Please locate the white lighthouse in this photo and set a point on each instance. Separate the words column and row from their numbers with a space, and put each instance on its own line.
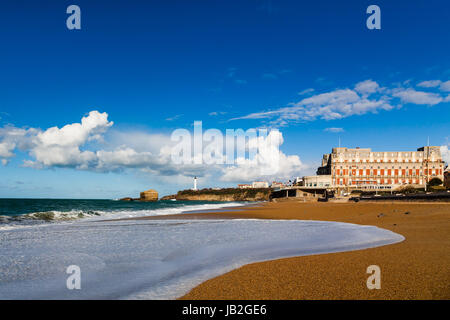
column 195, row 184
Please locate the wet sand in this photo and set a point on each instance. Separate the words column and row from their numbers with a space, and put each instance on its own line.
column 417, row 268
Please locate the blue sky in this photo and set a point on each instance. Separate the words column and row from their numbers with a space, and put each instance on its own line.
column 156, row 66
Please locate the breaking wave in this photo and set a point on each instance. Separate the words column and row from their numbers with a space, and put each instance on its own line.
column 39, row 217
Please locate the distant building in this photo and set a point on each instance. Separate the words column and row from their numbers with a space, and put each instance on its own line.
column 276, row 184
column 364, row 169
column 244, row 186
column 319, row 181
column 260, row 184
column 298, row 180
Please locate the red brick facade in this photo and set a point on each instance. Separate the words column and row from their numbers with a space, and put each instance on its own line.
column 362, row 168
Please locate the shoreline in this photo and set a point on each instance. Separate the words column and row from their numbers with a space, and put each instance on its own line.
column 416, row 268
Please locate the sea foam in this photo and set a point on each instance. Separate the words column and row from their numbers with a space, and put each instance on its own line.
column 160, row 259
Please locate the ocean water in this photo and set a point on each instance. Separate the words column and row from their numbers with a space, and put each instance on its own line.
column 20, row 212
column 155, row 259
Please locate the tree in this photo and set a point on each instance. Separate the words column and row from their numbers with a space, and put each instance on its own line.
column 434, row 182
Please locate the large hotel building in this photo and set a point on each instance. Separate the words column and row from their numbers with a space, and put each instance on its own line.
column 361, row 168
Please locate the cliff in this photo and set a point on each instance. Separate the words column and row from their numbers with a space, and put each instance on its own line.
column 228, row 194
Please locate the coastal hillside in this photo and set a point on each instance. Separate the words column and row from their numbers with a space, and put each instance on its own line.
column 227, row 194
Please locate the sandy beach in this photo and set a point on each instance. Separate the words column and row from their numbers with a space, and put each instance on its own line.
column 417, row 268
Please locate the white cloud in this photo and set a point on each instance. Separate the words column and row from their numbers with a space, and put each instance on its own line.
column 140, row 141
column 175, row 117
column 61, row 147
column 6, row 149
column 124, row 157
column 445, row 152
column 270, row 163
column 445, row 86
column 337, row 104
column 367, row 87
column 75, row 134
column 306, row 91
column 88, row 146
column 366, row 97
column 429, row 84
column 216, row 113
column 417, row 97
column 12, row 138
column 334, row 130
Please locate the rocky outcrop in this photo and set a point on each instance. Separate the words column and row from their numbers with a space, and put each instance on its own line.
column 170, row 197
column 149, row 195
column 228, row 194
column 127, row 199
column 145, row 196
column 219, row 197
